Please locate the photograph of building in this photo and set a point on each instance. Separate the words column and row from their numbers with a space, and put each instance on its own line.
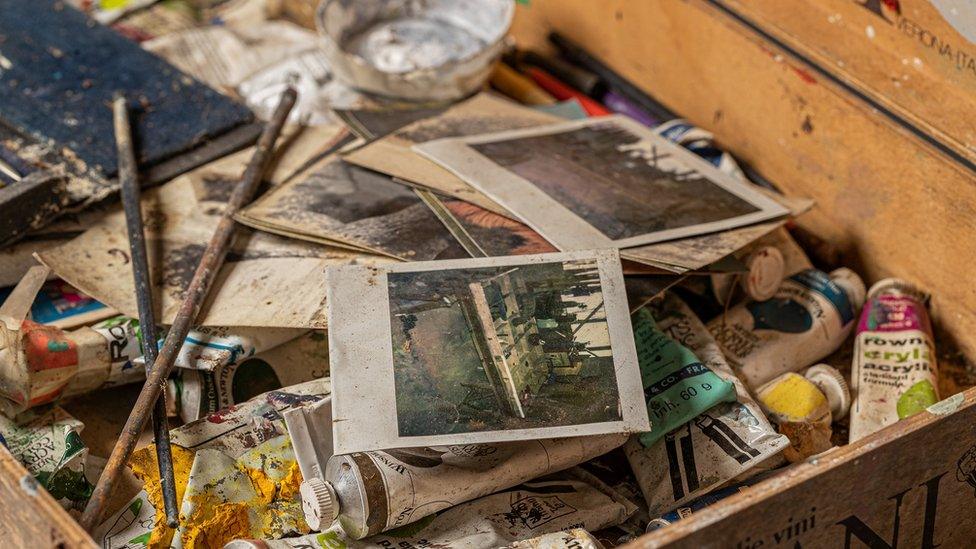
column 497, row 348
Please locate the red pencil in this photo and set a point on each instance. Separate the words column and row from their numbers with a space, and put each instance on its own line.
column 562, row 91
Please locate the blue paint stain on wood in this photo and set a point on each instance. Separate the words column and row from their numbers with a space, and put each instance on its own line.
column 61, row 70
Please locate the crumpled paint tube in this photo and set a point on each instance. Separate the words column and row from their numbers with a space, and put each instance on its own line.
column 770, row 260
column 678, row 386
column 692, row 507
column 810, row 316
column 198, row 393
column 724, row 443
column 577, row 538
column 894, row 373
column 219, row 503
column 48, row 444
column 209, row 348
column 39, row 364
column 547, row 506
column 377, row 491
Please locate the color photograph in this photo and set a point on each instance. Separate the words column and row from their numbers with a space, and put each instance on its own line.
column 501, row 347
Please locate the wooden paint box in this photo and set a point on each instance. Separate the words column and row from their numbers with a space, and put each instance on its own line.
column 895, row 197
column 892, row 200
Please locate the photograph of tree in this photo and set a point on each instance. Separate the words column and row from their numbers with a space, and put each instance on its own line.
column 500, row 348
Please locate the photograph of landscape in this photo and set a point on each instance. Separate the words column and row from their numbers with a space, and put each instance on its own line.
column 501, row 348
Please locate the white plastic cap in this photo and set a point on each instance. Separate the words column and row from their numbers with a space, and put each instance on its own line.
column 833, row 385
column 319, row 503
column 852, row 285
column 767, row 268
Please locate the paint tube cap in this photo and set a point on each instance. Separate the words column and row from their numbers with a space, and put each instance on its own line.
column 319, row 503
column 246, row 544
column 656, row 524
column 852, row 285
column 767, row 268
column 833, row 385
column 897, row 286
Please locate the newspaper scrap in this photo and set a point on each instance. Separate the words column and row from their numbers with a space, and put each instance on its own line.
column 48, row 444
column 236, row 476
column 482, row 350
column 222, row 57
column 728, row 441
column 341, row 204
column 309, row 73
column 602, row 182
column 267, row 281
column 553, row 511
column 199, row 393
column 392, row 154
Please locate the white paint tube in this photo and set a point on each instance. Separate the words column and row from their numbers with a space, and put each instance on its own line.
column 724, row 443
column 769, row 260
column 541, row 511
column 197, row 393
column 894, row 373
column 372, row 492
column 810, row 316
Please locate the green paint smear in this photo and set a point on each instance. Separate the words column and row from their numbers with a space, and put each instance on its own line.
column 916, row 399
column 66, row 484
column 330, row 540
column 57, row 346
column 141, row 540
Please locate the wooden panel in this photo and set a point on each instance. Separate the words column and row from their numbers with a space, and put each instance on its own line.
column 30, row 516
column 889, row 202
column 907, row 55
column 912, row 486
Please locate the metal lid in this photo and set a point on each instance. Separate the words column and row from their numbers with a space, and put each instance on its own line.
column 767, row 268
column 319, row 503
column 833, row 385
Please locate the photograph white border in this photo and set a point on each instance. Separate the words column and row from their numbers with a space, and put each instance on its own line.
column 361, row 356
column 557, row 223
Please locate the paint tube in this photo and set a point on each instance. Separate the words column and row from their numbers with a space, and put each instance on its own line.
column 209, row 348
column 802, row 411
column 547, row 506
column 769, row 261
column 48, row 444
column 810, row 316
column 678, row 386
column 728, row 441
column 894, row 372
column 698, row 504
column 251, row 436
column 372, row 492
column 197, row 393
column 39, row 364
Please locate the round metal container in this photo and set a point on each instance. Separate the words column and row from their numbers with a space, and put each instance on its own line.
column 414, row 49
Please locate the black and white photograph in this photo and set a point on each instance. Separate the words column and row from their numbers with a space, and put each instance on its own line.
column 340, row 204
column 484, row 350
column 602, row 182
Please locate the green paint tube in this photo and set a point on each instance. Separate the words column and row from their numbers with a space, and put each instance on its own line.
column 677, row 385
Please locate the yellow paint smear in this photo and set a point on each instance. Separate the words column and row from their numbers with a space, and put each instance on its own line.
column 146, row 468
column 227, row 522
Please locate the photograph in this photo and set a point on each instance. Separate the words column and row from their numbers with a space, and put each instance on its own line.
column 392, row 154
column 344, row 205
column 602, row 182
column 484, row 350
